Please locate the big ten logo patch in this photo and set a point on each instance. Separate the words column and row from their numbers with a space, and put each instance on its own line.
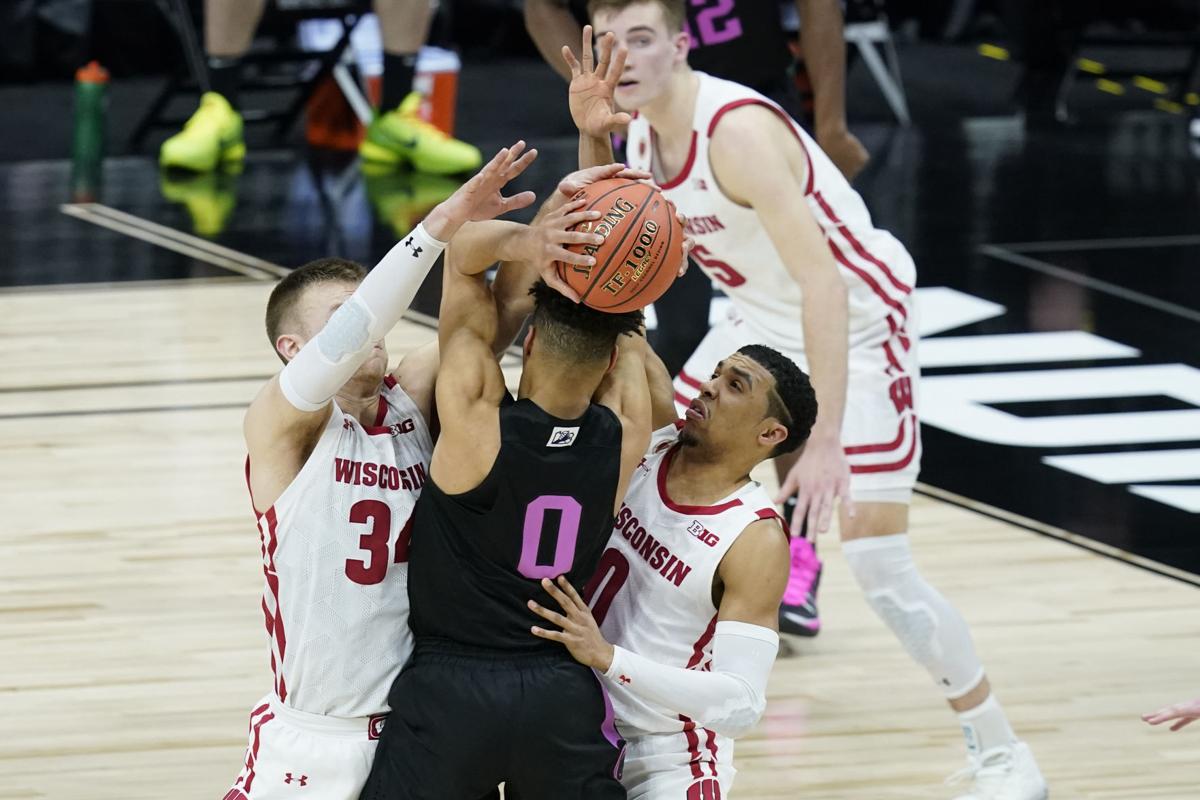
column 901, row 393
column 703, row 534
column 407, row 426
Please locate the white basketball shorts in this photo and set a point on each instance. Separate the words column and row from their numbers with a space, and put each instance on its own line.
column 695, row 764
column 294, row 755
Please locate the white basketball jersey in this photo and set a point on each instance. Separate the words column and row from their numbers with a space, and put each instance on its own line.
column 733, row 248
column 335, row 556
column 652, row 592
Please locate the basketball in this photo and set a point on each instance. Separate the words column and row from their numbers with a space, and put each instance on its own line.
column 641, row 252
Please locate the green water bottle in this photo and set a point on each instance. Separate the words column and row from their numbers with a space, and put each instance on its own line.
column 87, row 144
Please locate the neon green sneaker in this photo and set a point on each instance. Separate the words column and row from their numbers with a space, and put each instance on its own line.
column 400, row 136
column 402, row 199
column 212, row 135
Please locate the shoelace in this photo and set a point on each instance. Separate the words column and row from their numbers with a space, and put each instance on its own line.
column 804, row 566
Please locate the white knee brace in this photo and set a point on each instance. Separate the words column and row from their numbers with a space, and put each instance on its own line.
column 931, row 630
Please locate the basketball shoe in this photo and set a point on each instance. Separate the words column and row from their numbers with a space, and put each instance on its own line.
column 1003, row 773
column 211, row 136
column 402, row 199
column 400, row 136
column 798, row 611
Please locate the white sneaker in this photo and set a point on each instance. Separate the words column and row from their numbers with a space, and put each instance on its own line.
column 1003, row 773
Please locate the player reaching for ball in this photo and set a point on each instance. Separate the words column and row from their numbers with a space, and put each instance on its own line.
column 792, row 245
column 518, row 490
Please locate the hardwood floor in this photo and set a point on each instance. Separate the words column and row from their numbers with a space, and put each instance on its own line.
column 132, row 642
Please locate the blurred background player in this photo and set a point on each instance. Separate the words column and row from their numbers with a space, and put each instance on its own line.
column 793, row 246
column 688, row 589
column 396, row 136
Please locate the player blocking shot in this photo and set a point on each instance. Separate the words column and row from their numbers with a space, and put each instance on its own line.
column 519, row 490
column 683, row 619
column 338, row 452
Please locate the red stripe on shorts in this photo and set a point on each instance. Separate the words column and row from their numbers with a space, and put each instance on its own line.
column 693, row 741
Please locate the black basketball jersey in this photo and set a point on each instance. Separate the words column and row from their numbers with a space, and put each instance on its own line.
column 545, row 509
column 738, row 40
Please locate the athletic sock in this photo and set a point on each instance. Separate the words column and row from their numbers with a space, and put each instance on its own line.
column 398, row 74
column 225, row 77
column 985, row 727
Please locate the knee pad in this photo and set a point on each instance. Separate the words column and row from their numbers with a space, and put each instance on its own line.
column 931, row 630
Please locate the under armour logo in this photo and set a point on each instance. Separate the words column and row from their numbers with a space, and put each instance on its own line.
column 302, row 780
column 416, row 251
column 701, row 185
column 624, row 679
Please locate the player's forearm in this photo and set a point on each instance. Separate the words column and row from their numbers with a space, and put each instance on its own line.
column 514, row 304
column 729, row 699
column 479, row 245
column 662, row 391
column 826, row 344
column 551, row 25
column 824, row 44
column 322, row 367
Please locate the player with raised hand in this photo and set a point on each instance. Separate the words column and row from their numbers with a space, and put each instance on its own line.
column 339, row 450
column 793, row 246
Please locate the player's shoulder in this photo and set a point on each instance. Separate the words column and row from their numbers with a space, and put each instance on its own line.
column 749, row 125
column 662, row 439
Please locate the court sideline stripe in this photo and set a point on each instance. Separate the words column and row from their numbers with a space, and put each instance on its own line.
column 164, row 236
column 1096, row 284
column 1050, row 531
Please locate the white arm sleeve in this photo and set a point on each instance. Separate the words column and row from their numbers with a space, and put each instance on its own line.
column 322, row 367
column 729, row 700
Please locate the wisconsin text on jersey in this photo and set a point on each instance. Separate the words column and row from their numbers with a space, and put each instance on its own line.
column 657, row 555
column 385, row 476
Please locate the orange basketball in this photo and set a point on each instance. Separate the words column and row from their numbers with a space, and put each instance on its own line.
column 642, row 249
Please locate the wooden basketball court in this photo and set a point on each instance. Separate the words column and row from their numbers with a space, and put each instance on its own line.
column 133, row 646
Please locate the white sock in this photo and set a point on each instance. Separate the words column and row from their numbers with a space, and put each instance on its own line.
column 985, row 727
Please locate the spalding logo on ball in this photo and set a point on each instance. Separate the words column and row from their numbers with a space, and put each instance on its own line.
column 641, row 252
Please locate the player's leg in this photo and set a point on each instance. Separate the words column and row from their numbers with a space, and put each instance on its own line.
column 398, row 135
column 566, row 742
column 213, row 134
column 882, row 439
column 441, row 738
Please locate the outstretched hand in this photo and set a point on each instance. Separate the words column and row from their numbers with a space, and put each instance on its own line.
column 1183, row 714
column 819, row 478
column 580, row 634
column 480, row 198
column 590, row 95
column 547, row 239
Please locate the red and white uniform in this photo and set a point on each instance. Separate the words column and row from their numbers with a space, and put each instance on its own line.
column 652, row 595
column 335, row 557
column 880, row 431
